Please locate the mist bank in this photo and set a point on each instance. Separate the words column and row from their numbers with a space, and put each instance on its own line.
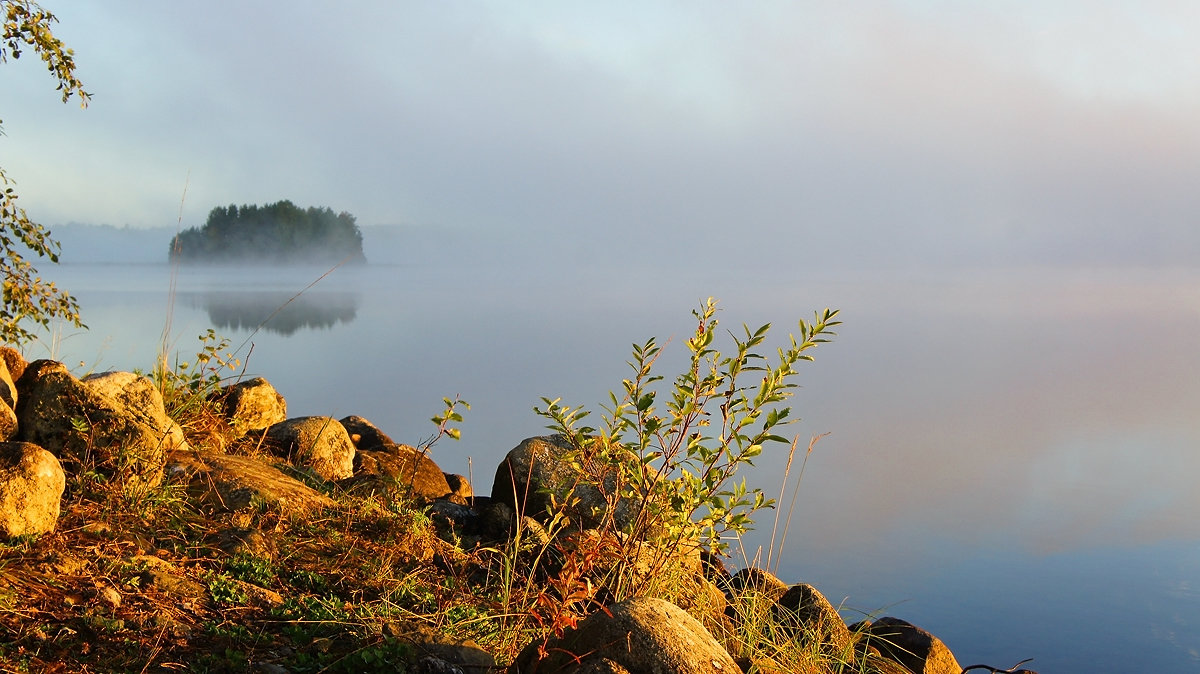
column 622, row 247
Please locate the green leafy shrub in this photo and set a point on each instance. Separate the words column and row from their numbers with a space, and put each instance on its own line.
column 677, row 461
column 189, row 386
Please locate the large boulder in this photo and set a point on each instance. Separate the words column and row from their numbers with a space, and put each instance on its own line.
column 251, row 405
column 642, row 636
column 31, row 488
column 318, row 443
column 232, row 482
column 113, row 421
column 140, row 398
column 401, row 466
column 919, row 651
column 541, row 470
column 805, row 612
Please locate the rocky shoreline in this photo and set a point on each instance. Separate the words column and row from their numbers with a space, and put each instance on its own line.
column 255, row 468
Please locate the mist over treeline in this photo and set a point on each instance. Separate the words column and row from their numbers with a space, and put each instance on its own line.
column 275, row 233
column 85, row 243
column 446, row 246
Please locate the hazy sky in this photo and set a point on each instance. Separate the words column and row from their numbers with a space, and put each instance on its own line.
column 855, row 132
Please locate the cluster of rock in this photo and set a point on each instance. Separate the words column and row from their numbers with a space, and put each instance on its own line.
column 114, row 425
column 653, row 635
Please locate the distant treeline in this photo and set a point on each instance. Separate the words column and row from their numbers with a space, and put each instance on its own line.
column 276, row 233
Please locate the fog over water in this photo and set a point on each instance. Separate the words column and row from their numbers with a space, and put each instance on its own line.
column 1011, row 452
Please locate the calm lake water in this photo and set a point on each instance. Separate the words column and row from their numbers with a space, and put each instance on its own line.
column 1012, row 455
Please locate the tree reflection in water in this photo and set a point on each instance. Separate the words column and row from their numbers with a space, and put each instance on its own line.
column 277, row 311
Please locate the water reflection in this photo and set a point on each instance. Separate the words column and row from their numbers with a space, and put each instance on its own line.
column 1012, row 459
column 280, row 312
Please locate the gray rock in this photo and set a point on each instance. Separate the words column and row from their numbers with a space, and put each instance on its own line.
column 601, row 666
column 539, row 470
column 113, row 422
column 432, row 665
column 252, row 405
column 451, row 514
column 318, row 443
column 644, row 635
column 402, row 466
column 232, row 482
column 918, row 650
column 31, row 488
column 496, row 520
column 460, row 488
column 803, row 610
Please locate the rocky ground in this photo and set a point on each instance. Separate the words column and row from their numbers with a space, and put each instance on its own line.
column 205, row 531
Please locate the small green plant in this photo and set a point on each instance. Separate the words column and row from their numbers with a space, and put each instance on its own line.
column 190, row 381
column 451, row 415
column 677, row 464
column 224, row 589
column 387, row 654
column 188, row 390
column 310, row 581
column 257, row 570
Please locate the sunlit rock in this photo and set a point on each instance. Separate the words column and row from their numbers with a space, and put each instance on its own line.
column 31, row 488
column 911, row 646
column 400, row 467
column 637, row 635
column 232, row 482
column 113, row 423
column 460, row 488
column 456, row 653
column 252, row 405
column 805, row 612
column 14, row 361
column 539, row 471
column 318, row 443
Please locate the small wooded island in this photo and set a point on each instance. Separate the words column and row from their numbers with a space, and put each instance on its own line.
column 278, row 233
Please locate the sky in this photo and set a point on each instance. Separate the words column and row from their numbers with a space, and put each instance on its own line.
column 870, row 133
